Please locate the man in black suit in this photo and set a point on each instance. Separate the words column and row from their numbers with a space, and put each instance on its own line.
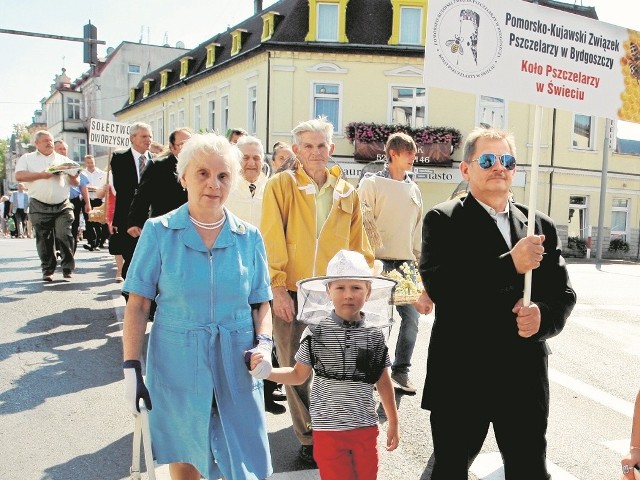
column 488, row 356
column 159, row 191
column 127, row 168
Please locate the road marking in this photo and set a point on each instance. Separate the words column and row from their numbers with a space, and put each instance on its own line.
column 488, row 466
column 593, row 393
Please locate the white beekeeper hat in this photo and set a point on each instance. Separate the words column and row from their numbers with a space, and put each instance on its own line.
column 314, row 302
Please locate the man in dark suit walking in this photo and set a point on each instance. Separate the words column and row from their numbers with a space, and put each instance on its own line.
column 488, row 357
column 127, row 168
column 159, row 191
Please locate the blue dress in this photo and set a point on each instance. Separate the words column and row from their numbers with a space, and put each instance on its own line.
column 207, row 409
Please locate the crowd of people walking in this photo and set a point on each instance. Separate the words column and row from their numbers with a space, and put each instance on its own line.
column 212, row 240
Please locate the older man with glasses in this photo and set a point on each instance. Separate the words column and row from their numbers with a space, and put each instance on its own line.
column 488, row 355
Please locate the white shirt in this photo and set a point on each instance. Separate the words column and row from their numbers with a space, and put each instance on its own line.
column 501, row 219
column 53, row 190
column 243, row 205
column 136, row 157
column 96, row 179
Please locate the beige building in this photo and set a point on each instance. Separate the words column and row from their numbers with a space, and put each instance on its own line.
column 362, row 61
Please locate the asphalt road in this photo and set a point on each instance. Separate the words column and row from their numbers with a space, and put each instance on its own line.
column 62, row 416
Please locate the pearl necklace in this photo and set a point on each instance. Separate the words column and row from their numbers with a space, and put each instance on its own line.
column 208, row 226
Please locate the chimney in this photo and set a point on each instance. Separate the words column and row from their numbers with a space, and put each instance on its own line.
column 257, row 6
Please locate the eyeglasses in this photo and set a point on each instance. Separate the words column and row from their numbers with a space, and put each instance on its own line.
column 488, row 160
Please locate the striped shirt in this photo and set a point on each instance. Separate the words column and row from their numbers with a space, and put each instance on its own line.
column 337, row 401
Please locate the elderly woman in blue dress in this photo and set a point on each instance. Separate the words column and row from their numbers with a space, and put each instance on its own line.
column 208, row 273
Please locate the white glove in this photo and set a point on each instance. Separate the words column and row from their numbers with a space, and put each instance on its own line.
column 264, row 346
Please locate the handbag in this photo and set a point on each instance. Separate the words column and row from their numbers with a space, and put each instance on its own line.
column 142, row 434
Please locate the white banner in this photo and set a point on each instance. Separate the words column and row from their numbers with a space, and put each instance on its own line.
column 533, row 54
column 109, row 134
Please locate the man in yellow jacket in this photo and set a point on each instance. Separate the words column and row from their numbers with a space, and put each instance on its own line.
column 309, row 213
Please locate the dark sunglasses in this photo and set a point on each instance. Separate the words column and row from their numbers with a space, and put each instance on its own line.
column 488, row 160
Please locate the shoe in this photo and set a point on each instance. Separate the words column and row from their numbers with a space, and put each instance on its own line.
column 47, row 277
column 306, row 455
column 278, row 395
column 66, row 273
column 88, row 247
column 275, row 408
column 97, row 249
column 403, row 382
column 119, row 279
column 101, row 245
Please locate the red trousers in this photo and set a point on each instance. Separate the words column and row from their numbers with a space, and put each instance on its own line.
column 347, row 454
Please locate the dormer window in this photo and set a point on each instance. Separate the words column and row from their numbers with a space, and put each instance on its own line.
column 327, row 20
column 268, row 25
column 147, row 88
column 408, row 22
column 211, row 54
column 184, row 66
column 237, row 36
column 164, row 78
column 132, row 95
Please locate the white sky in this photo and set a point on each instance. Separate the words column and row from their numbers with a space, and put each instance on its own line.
column 29, row 64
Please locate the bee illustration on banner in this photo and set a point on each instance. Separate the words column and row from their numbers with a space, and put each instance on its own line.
column 455, row 44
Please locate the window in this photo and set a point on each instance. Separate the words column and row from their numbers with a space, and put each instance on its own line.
column 327, row 22
column 212, row 116
column 134, row 69
column 252, row 101
column 237, row 37
column 164, row 78
column 326, row 102
column 268, row 25
column 410, row 25
column 583, row 134
column 180, row 118
column 161, row 129
column 408, row 106
column 132, row 95
column 184, row 66
column 196, row 118
column 172, row 122
column 225, row 115
column 73, row 109
column 146, row 88
column 408, row 22
column 491, row 112
column 619, row 218
column 211, row 54
column 79, row 149
column 577, row 222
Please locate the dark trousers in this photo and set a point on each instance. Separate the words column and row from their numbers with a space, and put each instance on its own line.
column 78, row 209
column 519, row 415
column 53, row 222
column 20, row 217
column 95, row 233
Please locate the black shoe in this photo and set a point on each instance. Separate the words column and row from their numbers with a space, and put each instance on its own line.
column 88, row 247
column 306, row 455
column 275, row 408
column 66, row 273
column 278, row 395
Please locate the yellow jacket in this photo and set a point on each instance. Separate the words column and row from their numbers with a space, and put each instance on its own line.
column 289, row 229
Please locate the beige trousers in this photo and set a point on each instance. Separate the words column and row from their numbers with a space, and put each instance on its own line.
column 287, row 339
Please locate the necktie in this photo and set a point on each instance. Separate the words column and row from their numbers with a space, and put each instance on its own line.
column 142, row 160
column 252, row 189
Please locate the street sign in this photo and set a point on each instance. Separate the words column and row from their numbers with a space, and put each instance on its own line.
column 109, row 134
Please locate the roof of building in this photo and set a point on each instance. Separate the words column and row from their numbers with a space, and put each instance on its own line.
column 368, row 28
